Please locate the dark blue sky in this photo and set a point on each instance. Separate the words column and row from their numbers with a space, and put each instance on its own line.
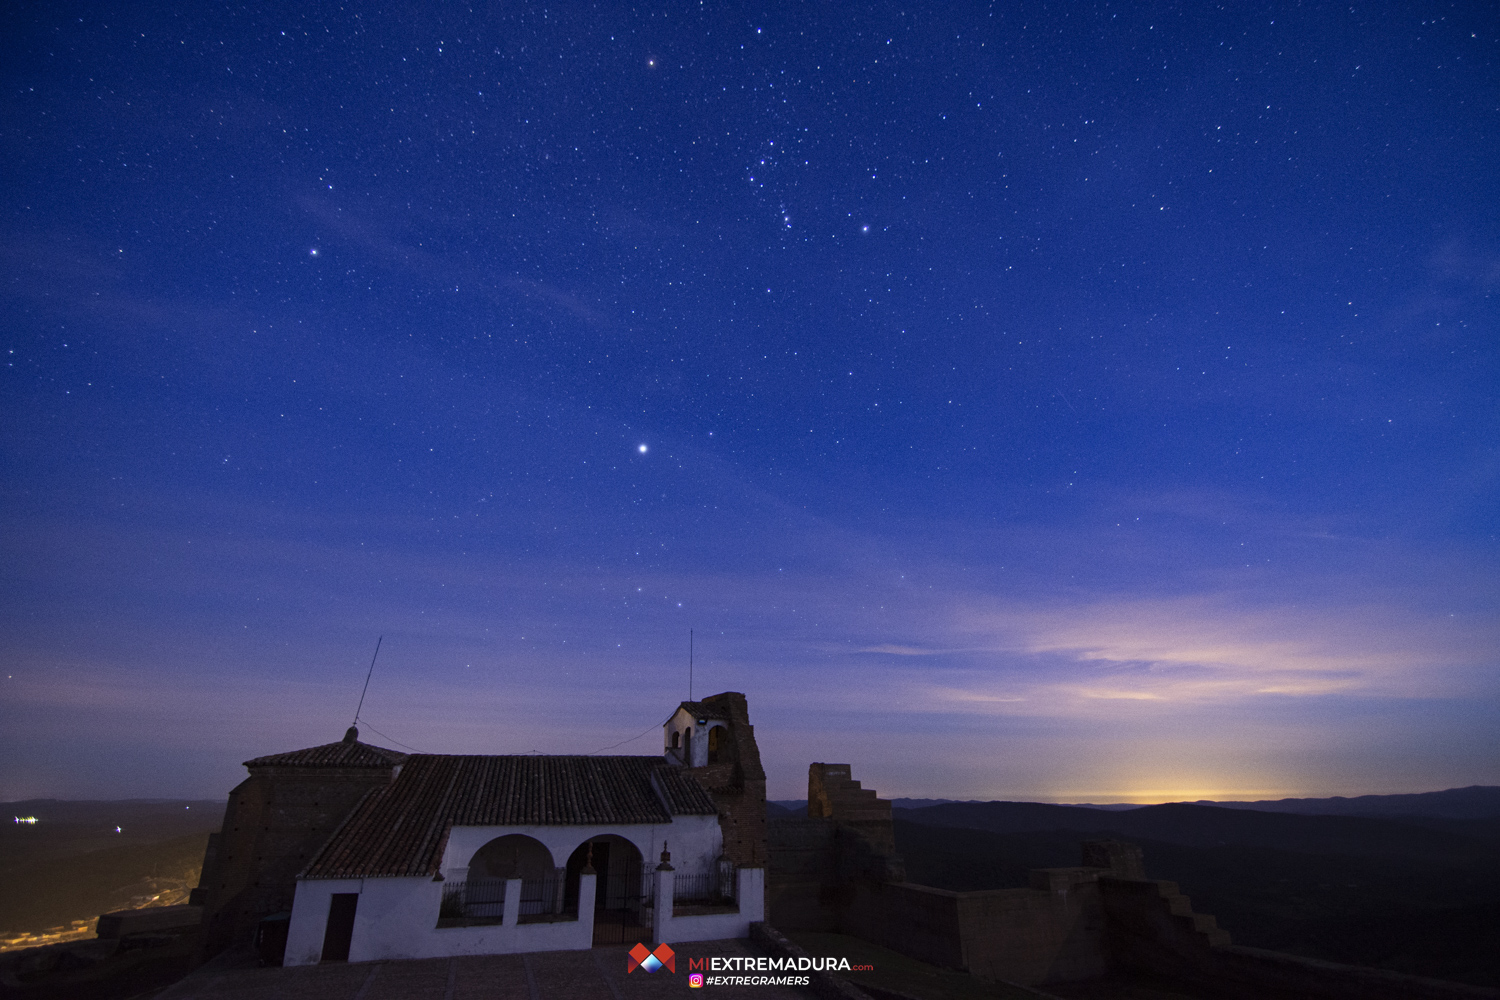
column 1069, row 401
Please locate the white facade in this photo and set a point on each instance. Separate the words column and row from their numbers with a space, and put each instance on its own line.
column 686, row 737
column 397, row 918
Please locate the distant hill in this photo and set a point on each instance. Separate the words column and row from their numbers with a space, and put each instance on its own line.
column 1212, row 826
column 1473, row 802
column 798, row 807
column 1480, row 802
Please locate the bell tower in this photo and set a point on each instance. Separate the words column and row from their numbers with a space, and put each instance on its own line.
column 714, row 739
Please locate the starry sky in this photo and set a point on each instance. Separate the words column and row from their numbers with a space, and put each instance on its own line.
column 1068, row 401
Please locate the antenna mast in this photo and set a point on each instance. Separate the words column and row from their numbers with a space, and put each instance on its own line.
column 368, row 674
column 690, row 664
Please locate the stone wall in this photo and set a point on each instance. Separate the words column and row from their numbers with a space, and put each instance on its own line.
column 832, row 793
column 272, row 826
column 1152, row 927
column 738, row 784
column 1028, row 936
column 802, row 886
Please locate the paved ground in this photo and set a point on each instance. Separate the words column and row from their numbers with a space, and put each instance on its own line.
column 553, row 975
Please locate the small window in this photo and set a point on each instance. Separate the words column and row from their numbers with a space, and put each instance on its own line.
column 676, row 739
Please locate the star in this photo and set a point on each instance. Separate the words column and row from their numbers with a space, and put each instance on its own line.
column 642, row 449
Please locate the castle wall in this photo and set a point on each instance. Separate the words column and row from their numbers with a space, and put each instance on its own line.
column 1152, row 928
column 832, row 793
column 915, row 920
column 802, row 891
column 1053, row 931
column 273, row 825
column 837, row 870
column 1027, row 936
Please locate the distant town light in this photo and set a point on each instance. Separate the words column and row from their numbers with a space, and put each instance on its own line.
column 26, row 819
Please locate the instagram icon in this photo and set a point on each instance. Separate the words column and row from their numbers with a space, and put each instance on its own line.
column 696, row 980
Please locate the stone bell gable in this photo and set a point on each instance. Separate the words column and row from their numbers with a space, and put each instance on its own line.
column 713, row 738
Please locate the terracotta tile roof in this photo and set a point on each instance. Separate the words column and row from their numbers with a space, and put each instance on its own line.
column 683, row 793
column 403, row 829
column 346, row 754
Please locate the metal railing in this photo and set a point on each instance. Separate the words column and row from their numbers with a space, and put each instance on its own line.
column 475, row 899
column 717, row 886
column 545, row 897
column 648, row 884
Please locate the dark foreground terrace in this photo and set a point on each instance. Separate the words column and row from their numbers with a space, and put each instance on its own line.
column 598, row 974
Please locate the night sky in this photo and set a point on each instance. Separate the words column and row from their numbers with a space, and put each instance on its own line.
column 1073, row 402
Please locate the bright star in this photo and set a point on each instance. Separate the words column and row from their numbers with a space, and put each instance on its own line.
column 313, row 252
column 642, row 449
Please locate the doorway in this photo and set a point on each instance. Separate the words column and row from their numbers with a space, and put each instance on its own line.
column 340, row 929
column 621, row 889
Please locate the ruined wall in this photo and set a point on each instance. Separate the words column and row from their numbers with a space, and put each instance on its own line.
column 816, row 860
column 832, row 871
column 915, row 920
column 1052, row 933
column 832, row 793
column 1152, row 927
column 838, row 870
column 802, row 885
column 272, row 826
column 1120, row 859
column 737, row 783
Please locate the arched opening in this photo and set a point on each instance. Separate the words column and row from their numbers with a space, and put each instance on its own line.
column 676, row 739
column 517, row 856
column 715, row 738
column 512, row 856
column 619, row 888
column 687, row 747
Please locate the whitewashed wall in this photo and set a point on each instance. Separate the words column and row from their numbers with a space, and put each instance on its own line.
column 697, row 746
column 720, row 926
column 397, row 918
